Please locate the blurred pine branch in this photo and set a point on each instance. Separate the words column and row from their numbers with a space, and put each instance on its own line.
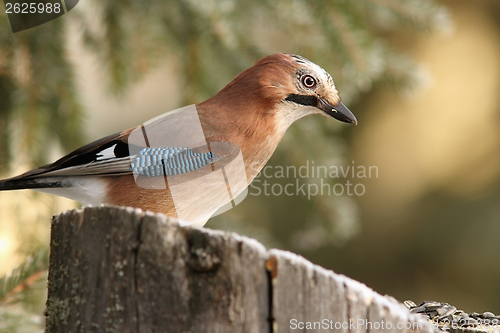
column 14, row 287
column 21, row 293
column 39, row 102
column 213, row 40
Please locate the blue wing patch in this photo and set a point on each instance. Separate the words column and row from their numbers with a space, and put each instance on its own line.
column 163, row 161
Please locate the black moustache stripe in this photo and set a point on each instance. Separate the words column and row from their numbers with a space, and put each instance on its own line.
column 306, row 100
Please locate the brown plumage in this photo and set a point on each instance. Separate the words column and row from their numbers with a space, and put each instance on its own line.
column 240, row 126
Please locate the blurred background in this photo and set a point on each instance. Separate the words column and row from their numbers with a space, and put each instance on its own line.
column 422, row 77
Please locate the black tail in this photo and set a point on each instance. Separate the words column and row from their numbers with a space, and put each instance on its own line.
column 28, row 183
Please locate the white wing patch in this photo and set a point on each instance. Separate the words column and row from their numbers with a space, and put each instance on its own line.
column 106, row 153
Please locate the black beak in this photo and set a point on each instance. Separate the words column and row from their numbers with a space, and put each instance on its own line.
column 339, row 112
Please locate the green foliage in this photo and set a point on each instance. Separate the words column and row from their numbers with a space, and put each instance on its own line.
column 215, row 39
column 13, row 285
column 22, row 294
column 36, row 88
column 6, row 90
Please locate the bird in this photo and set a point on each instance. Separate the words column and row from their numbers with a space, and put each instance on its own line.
column 192, row 162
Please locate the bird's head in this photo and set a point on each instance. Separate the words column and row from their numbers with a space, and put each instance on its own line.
column 300, row 87
column 286, row 87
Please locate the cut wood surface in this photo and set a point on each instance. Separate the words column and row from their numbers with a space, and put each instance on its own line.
column 122, row 270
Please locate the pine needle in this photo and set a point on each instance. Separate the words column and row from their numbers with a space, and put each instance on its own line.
column 23, row 277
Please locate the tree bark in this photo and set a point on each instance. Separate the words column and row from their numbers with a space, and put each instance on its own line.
column 122, row 270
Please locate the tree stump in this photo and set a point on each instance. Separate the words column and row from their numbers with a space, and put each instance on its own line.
column 122, row 270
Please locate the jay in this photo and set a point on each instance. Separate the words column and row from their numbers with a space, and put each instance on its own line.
column 192, row 162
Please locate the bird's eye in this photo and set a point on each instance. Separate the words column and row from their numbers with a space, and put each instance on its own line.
column 308, row 81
